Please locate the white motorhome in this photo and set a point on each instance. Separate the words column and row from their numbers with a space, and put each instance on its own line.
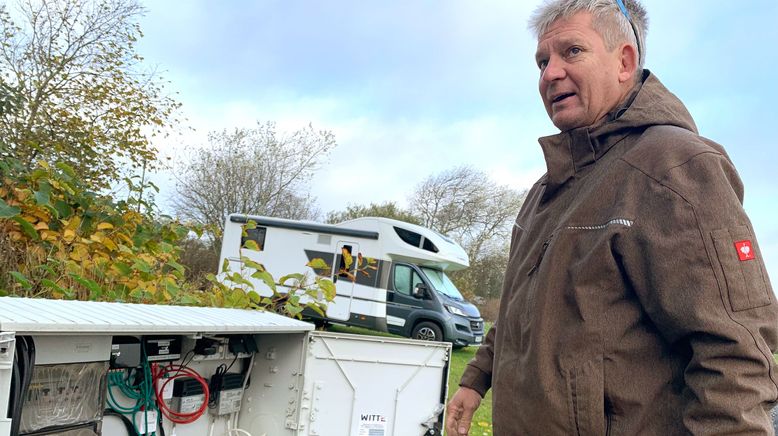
column 405, row 290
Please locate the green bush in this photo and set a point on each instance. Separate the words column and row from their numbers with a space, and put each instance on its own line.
column 60, row 240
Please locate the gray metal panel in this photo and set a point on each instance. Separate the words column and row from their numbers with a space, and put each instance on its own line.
column 61, row 317
column 296, row 225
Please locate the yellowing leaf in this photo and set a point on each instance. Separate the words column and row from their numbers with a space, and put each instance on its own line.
column 328, row 288
column 104, row 226
column 347, row 258
column 30, row 218
column 79, row 253
column 251, row 245
column 109, row 244
column 68, row 235
column 73, row 223
column 40, row 214
column 318, row 263
column 41, row 226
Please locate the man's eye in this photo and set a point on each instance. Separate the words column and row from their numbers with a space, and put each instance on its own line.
column 574, row 51
column 542, row 64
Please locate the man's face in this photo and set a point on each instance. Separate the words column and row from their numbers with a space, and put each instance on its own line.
column 579, row 77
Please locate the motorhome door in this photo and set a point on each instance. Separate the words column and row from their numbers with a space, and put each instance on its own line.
column 343, row 275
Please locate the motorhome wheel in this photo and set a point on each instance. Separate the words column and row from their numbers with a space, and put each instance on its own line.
column 427, row 331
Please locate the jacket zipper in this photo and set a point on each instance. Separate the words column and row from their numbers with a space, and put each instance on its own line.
column 616, row 221
column 608, row 420
column 540, row 256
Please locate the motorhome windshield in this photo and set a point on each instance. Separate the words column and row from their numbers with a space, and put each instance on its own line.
column 442, row 283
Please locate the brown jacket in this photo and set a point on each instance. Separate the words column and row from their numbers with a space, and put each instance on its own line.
column 635, row 300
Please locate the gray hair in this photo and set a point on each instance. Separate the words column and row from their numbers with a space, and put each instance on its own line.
column 607, row 19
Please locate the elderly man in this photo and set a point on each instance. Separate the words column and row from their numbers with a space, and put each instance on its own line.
column 635, row 300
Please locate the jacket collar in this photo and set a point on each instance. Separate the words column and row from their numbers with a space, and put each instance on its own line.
column 650, row 103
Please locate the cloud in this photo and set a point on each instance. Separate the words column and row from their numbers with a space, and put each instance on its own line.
column 412, row 88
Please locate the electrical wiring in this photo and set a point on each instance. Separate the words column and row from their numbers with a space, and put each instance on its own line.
column 231, row 430
column 161, row 426
column 217, row 382
column 170, row 373
column 189, row 355
column 215, row 385
column 16, row 387
column 245, row 383
column 128, row 425
column 140, row 393
column 25, row 350
column 148, row 392
column 232, row 363
column 117, row 380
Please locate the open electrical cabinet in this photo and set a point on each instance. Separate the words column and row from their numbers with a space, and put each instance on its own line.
column 84, row 368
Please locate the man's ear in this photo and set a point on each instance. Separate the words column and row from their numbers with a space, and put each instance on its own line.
column 628, row 62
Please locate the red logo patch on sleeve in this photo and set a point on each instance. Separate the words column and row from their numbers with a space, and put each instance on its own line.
column 744, row 250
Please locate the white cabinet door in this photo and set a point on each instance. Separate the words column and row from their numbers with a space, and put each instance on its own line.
column 373, row 386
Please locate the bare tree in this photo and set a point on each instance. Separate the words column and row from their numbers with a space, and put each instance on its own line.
column 254, row 171
column 468, row 206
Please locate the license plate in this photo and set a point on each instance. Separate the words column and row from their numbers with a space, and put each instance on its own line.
column 478, row 339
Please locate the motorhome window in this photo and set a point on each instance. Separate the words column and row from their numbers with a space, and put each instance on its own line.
column 405, row 279
column 442, row 283
column 343, row 271
column 408, row 236
column 257, row 235
column 429, row 246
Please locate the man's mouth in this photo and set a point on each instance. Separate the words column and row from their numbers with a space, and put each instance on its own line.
column 561, row 97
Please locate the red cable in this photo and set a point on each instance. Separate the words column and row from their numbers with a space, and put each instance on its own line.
column 180, row 371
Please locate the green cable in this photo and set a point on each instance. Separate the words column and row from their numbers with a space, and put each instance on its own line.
column 113, row 403
column 127, row 389
column 147, row 391
column 144, row 394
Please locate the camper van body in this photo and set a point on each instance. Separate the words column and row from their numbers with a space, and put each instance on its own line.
column 366, row 296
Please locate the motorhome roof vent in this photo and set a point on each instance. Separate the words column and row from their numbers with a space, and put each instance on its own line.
column 415, row 239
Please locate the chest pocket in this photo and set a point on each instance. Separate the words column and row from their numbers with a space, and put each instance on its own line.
column 743, row 268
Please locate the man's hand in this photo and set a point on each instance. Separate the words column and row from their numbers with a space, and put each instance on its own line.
column 459, row 412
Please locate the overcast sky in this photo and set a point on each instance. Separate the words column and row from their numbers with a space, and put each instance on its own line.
column 414, row 87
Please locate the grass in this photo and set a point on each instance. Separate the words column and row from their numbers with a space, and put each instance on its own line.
column 482, row 421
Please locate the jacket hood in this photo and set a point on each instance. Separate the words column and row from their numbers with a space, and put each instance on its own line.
column 649, row 104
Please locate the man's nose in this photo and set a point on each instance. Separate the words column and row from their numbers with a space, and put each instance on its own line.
column 554, row 70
